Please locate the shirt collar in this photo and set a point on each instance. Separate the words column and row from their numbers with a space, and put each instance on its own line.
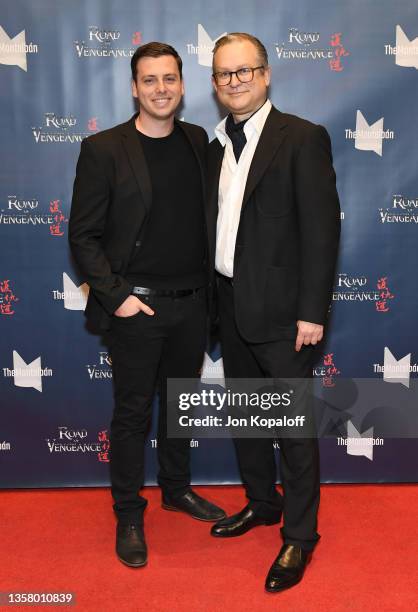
column 254, row 123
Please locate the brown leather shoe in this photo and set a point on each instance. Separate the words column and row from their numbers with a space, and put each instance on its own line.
column 287, row 569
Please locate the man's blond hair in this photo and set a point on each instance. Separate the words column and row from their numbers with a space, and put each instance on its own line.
column 262, row 56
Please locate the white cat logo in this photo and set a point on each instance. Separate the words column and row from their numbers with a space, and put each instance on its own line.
column 27, row 374
column 396, row 371
column 213, row 371
column 75, row 298
column 368, row 137
column 205, row 46
column 12, row 51
column 406, row 50
column 360, row 445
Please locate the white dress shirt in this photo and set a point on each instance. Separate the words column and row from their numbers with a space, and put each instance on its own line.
column 232, row 182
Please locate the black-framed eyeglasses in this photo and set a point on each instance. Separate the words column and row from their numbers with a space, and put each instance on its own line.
column 244, row 75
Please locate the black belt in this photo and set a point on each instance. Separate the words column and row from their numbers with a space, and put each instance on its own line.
column 164, row 292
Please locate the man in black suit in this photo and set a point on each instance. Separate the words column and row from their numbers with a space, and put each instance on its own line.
column 138, row 234
column 274, row 224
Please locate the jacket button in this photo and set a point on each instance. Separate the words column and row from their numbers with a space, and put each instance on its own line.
column 138, row 243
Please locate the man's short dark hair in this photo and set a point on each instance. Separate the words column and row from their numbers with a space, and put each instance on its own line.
column 262, row 56
column 154, row 49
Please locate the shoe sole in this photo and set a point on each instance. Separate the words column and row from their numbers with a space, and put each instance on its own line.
column 132, row 564
column 198, row 518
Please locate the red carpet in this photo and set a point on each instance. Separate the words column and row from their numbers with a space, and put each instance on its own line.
column 63, row 540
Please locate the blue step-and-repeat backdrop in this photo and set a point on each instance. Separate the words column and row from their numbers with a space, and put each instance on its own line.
column 65, row 74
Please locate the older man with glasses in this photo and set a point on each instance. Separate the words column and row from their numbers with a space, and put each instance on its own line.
column 274, row 232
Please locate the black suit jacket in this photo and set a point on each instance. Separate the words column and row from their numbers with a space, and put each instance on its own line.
column 287, row 240
column 111, row 199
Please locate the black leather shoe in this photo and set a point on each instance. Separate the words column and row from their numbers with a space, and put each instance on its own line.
column 195, row 506
column 240, row 523
column 288, row 568
column 130, row 545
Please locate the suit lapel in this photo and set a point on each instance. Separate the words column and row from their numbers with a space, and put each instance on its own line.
column 216, row 156
column 137, row 160
column 198, row 155
column 271, row 139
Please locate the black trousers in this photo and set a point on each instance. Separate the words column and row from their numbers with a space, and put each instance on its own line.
column 299, row 457
column 145, row 351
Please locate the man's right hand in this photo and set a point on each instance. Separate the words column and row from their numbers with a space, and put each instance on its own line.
column 131, row 306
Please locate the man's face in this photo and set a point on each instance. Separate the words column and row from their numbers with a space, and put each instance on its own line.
column 158, row 87
column 241, row 99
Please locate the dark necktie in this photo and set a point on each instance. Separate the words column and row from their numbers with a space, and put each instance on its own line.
column 236, row 133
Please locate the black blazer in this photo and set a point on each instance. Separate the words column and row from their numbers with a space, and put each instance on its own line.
column 287, row 240
column 111, row 199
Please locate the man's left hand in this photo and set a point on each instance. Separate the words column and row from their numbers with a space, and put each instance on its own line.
column 308, row 333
